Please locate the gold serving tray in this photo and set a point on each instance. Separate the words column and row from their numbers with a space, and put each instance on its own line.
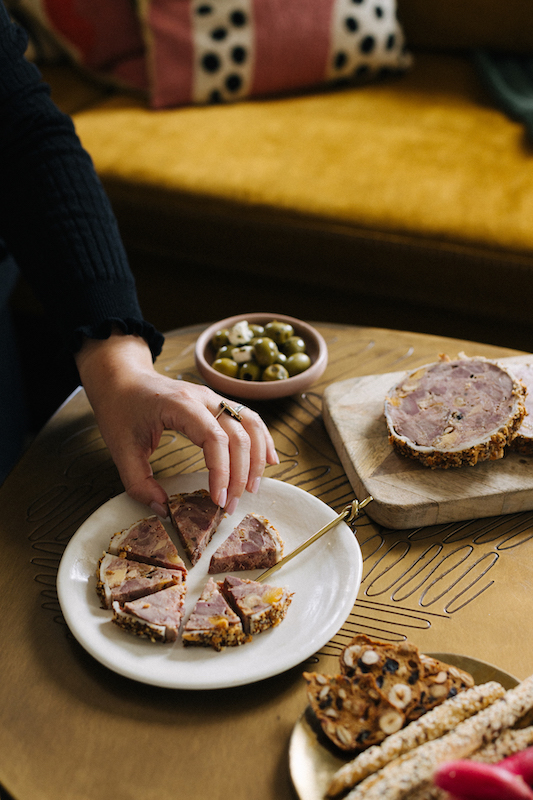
column 312, row 765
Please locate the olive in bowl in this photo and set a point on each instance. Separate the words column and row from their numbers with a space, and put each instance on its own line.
column 276, row 339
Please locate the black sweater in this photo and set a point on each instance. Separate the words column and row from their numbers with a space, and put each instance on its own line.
column 55, row 218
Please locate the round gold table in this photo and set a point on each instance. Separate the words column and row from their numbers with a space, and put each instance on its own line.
column 70, row 728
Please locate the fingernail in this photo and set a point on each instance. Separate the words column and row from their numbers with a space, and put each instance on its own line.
column 255, row 485
column 223, row 498
column 159, row 509
column 232, row 505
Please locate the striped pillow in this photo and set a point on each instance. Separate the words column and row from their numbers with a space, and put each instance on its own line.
column 205, row 51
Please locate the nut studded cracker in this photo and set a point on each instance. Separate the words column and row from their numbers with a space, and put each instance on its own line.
column 441, row 680
column 353, row 713
column 413, row 770
column 430, row 726
column 412, row 682
column 396, row 669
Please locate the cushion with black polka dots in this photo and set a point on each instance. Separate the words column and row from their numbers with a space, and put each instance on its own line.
column 210, row 51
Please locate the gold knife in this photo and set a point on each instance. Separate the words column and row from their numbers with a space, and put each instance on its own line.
column 349, row 513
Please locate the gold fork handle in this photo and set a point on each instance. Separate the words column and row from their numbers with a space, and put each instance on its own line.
column 348, row 513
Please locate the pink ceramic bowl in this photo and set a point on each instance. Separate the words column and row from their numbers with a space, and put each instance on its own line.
column 261, row 390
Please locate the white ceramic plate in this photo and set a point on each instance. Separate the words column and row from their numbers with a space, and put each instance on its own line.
column 312, row 765
column 325, row 580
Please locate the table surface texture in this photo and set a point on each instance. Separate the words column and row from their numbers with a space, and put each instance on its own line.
column 72, row 729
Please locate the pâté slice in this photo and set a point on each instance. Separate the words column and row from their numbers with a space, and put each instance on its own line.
column 253, row 544
column 213, row 623
column 195, row 518
column 122, row 580
column 147, row 540
column 157, row 616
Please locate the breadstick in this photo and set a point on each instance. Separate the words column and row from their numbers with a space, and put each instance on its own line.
column 509, row 743
column 429, row 792
column 429, row 726
column 414, row 769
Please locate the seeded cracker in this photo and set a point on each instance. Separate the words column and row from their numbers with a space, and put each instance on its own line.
column 413, row 771
column 430, row 726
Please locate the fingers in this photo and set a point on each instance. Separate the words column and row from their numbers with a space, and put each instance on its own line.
column 138, row 480
column 133, row 404
column 235, row 456
column 236, row 452
column 271, row 452
column 236, row 448
column 247, row 451
column 256, row 430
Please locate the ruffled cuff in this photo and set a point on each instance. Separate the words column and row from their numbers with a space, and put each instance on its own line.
column 103, row 330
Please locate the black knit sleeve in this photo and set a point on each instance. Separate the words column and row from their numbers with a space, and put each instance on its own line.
column 55, row 217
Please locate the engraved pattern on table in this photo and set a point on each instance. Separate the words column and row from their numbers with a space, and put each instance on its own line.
column 411, row 578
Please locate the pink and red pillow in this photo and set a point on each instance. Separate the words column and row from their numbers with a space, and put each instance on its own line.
column 202, row 51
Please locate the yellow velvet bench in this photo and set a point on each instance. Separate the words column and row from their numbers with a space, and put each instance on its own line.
column 406, row 202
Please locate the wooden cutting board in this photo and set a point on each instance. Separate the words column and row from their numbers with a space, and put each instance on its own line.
column 406, row 494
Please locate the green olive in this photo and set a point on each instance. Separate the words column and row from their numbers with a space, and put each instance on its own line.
column 220, row 338
column 224, row 351
column 265, row 351
column 295, row 344
column 253, row 352
column 279, row 331
column 226, row 366
column 297, row 363
column 275, row 372
column 256, row 329
column 250, row 371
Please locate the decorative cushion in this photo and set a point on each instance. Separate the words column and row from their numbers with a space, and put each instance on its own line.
column 202, row 51
column 103, row 36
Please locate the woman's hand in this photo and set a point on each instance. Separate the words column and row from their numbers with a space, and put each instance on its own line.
column 134, row 404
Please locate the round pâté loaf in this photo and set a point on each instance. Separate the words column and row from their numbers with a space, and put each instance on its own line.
column 455, row 412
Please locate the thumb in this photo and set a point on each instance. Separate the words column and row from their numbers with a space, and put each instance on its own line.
column 140, row 484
